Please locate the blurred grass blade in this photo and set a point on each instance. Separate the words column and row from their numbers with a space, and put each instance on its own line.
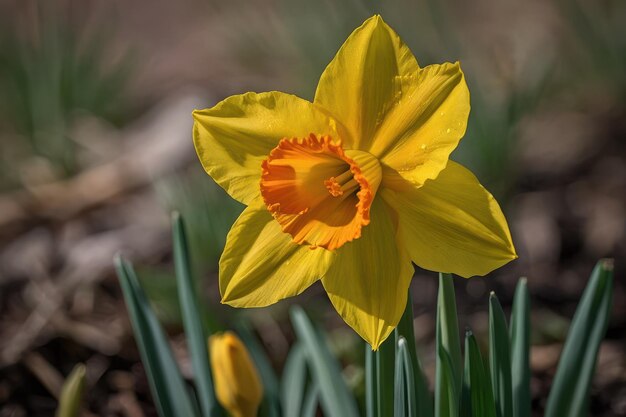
column 500, row 358
column 449, row 405
column 270, row 406
column 520, row 351
column 569, row 396
column 309, row 408
column 448, row 380
column 194, row 331
column 294, row 381
column 168, row 388
column 385, row 362
column 405, row 398
column 336, row 399
column 72, row 393
column 371, row 383
column 480, row 394
column 405, row 329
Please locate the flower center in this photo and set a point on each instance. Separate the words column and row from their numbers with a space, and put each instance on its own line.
column 344, row 183
column 318, row 192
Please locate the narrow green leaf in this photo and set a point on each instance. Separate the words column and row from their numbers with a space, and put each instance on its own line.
column 371, row 383
column 448, row 377
column 465, row 407
column 449, row 405
column 520, row 351
column 72, row 393
column 167, row 385
column 405, row 329
column 336, row 399
column 309, row 408
column 481, row 395
column 270, row 406
column 194, row 331
column 400, row 389
column 294, row 381
column 385, row 362
column 405, row 399
column 407, row 366
column 500, row 358
column 569, row 396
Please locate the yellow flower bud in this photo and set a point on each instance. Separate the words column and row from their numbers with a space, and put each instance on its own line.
column 237, row 384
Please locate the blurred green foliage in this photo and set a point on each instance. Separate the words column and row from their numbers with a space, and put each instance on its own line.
column 51, row 69
column 208, row 211
column 596, row 43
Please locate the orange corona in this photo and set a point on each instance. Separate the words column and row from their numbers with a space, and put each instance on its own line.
column 318, row 192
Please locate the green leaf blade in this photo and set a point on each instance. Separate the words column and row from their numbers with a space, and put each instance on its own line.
column 448, row 378
column 400, row 389
column 194, row 331
column 371, row 383
column 336, row 399
column 520, row 351
column 500, row 359
column 405, row 329
column 570, row 389
column 449, row 405
column 309, row 407
column 293, row 384
column 167, row 385
column 385, row 362
column 480, row 393
column 404, row 393
column 465, row 407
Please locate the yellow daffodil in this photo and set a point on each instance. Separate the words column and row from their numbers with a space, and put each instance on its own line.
column 237, row 385
column 352, row 187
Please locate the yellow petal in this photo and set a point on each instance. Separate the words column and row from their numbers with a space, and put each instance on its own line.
column 452, row 224
column 417, row 136
column 359, row 85
column 235, row 136
column 261, row 264
column 369, row 279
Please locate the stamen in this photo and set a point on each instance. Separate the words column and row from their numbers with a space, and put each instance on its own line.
column 333, row 187
column 341, row 184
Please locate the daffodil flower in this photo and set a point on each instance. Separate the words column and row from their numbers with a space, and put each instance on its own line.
column 352, row 187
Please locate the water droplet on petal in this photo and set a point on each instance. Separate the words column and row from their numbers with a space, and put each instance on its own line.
column 333, row 123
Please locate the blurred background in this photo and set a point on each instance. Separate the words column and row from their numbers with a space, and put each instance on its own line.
column 96, row 150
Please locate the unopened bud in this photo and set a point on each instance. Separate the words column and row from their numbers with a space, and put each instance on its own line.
column 237, row 384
